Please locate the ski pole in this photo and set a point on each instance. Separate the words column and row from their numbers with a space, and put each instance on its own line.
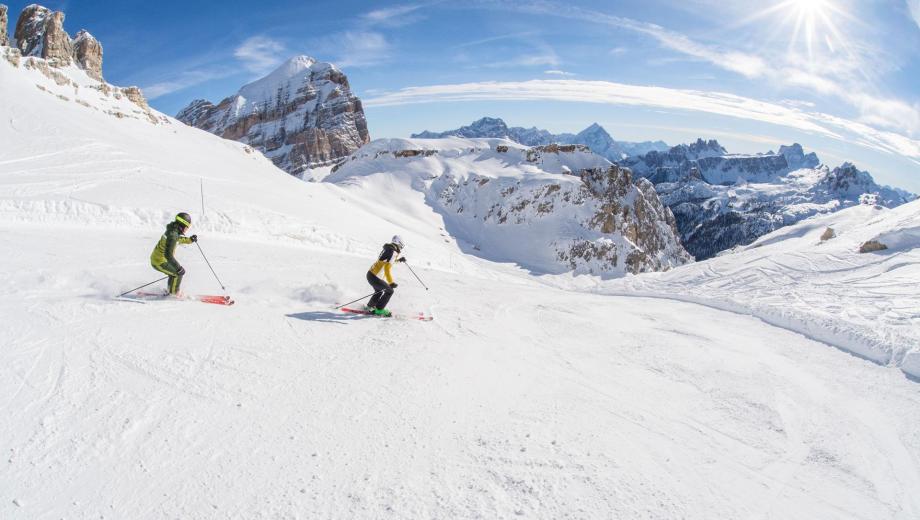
column 416, row 276
column 141, row 287
column 359, row 299
column 209, row 265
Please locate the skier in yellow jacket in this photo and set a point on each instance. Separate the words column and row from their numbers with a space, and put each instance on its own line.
column 384, row 289
column 163, row 259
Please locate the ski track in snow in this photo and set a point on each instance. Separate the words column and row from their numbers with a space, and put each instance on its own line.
column 518, row 400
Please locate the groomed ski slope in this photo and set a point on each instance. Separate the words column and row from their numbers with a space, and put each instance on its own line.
column 865, row 303
column 518, row 400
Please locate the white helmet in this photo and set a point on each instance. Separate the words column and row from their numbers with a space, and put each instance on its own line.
column 398, row 242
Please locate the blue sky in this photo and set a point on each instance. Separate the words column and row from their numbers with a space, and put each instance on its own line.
column 842, row 77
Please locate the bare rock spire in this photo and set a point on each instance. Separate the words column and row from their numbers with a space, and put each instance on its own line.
column 87, row 52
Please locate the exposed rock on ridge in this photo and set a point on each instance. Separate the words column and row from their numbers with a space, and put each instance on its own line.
column 40, row 33
column 4, row 39
column 551, row 209
column 301, row 116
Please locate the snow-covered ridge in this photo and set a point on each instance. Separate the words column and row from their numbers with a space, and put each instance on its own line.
column 810, row 277
column 550, row 208
column 71, row 84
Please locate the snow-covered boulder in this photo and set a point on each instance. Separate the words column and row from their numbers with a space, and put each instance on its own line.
column 550, row 209
column 302, row 115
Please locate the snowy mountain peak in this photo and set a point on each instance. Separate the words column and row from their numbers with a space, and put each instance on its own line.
column 796, row 157
column 700, row 149
column 301, row 115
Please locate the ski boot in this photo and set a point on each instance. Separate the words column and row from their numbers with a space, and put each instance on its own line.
column 382, row 312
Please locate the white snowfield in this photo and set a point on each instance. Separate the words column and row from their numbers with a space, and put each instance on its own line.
column 518, row 400
column 864, row 303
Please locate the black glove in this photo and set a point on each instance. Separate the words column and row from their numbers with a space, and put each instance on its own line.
column 180, row 271
column 401, row 259
column 193, row 238
column 394, row 285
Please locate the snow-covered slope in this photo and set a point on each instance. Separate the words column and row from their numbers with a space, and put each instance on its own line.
column 549, row 209
column 518, row 400
column 816, row 281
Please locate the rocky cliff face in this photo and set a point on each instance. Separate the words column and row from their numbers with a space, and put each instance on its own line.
column 40, row 33
column 595, row 137
column 87, row 52
column 4, row 39
column 301, row 116
column 550, row 209
column 722, row 200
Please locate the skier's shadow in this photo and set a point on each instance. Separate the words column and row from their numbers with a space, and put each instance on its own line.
column 325, row 316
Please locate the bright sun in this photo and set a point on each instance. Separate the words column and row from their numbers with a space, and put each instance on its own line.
column 812, row 23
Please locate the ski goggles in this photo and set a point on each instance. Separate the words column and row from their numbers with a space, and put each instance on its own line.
column 183, row 221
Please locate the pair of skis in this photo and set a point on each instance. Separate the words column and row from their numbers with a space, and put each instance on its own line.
column 144, row 297
column 421, row 316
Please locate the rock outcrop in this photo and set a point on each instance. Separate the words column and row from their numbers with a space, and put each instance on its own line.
column 4, row 39
column 723, row 200
column 40, row 33
column 87, row 52
column 301, row 116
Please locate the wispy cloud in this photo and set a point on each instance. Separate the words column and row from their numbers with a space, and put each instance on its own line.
column 605, row 92
column 185, row 80
column 914, row 6
column 561, row 73
column 618, row 51
column 395, row 16
column 527, row 60
column 496, row 38
column 260, row 54
column 360, row 48
column 847, row 74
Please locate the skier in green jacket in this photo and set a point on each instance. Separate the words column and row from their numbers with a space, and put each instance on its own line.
column 162, row 258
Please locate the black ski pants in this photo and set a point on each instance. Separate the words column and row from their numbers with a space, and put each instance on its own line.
column 383, row 292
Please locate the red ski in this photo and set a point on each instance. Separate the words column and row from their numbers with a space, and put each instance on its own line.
column 420, row 316
column 203, row 298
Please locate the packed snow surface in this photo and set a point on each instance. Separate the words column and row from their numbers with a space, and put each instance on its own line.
column 865, row 303
column 518, row 400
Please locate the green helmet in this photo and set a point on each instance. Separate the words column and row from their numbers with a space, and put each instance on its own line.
column 184, row 218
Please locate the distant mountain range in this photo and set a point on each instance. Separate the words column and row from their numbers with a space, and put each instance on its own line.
column 595, row 137
column 722, row 200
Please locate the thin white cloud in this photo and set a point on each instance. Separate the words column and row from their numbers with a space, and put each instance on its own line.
column 395, row 16
column 606, row 92
column 562, row 73
column 360, row 48
column 183, row 81
column 260, row 54
column 618, row 51
column 527, row 60
column 847, row 75
column 491, row 39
